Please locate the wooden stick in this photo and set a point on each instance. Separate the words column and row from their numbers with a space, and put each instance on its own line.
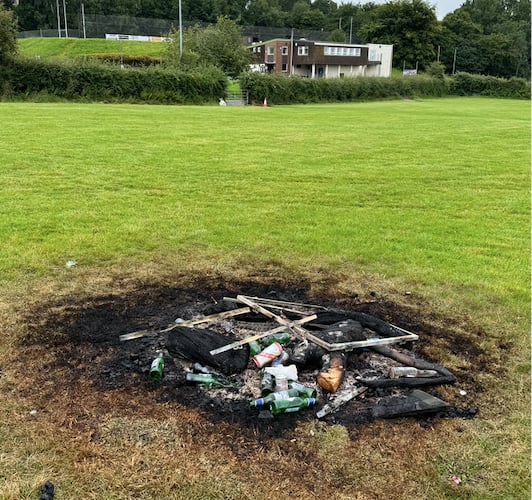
column 281, row 302
column 192, row 322
column 271, row 306
column 247, row 340
column 295, row 328
column 342, row 346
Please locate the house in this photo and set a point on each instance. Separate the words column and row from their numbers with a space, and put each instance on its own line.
column 322, row 59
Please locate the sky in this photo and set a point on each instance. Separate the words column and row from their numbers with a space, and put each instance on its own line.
column 443, row 7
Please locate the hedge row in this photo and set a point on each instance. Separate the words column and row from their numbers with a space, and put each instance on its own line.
column 90, row 81
column 467, row 84
column 279, row 89
column 98, row 82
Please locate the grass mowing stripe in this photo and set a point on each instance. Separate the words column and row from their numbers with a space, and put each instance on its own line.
column 436, row 190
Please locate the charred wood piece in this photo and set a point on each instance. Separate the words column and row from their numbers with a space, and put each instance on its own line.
column 332, row 371
column 446, row 377
column 417, row 402
column 344, row 331
column 366, row 320
column 195, row 344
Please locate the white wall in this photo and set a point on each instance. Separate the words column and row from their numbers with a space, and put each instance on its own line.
column 383, row 53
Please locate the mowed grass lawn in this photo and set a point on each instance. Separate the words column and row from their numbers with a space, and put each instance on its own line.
column 433, row 191
column 430, row 196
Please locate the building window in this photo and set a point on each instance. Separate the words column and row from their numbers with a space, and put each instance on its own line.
column 271, row 50
column 302, row 50
column 284, row 51
column 284, row 67
column 342, row 51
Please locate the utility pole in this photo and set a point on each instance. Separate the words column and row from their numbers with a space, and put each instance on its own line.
column 58, row 19
column 351, row 30
column 454, row 61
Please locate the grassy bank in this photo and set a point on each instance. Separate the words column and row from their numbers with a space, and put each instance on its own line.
column 429, row 198
column 67, row 48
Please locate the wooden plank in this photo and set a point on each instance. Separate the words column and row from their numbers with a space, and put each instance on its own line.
column 341, row 346
column 247, row 340
column 261, row 300
column 298, row 330
column 272, row 306
column 192, row 322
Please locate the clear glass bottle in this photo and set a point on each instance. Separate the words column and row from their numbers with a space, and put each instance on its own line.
column 410, row 371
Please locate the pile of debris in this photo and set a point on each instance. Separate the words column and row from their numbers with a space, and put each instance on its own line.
column 283, row 357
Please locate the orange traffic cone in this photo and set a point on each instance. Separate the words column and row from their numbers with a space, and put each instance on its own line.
column 265, row 103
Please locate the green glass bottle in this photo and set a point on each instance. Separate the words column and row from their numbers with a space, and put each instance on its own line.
column 157, row 368
column 290, row 405
column 303, row 390
column 267, row 383
column 274, row 396
column 206, row 379
column 281, row 338
column 254, row 348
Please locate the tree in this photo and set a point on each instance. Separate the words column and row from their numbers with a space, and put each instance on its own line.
column 337, row 35
column 264, row 13
column 302, row 16
column 8, row 37
column 218, row 45
column 410, row 25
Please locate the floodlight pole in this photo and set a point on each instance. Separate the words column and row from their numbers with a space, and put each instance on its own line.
column 64, row 12
column 292, row 52
column 180, row 32
column 58, row 19
column 83, row 20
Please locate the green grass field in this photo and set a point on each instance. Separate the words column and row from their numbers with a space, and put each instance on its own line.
column 434, row 191
column 430, row 197
column 68, row 48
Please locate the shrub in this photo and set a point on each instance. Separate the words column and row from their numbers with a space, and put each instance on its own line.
column 280, row 89
column 91, row 81
column 463, row 84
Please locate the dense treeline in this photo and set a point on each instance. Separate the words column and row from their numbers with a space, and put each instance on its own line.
column 489, row 37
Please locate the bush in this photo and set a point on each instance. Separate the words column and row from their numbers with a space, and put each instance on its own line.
column 98, row 82
column 463, row 84
column 279, row 89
